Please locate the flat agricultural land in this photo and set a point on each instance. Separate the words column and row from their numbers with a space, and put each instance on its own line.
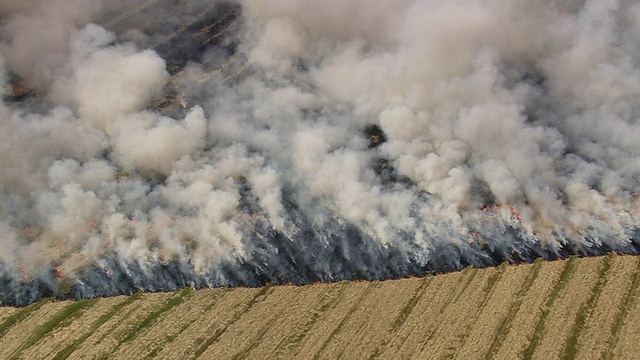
column 583, row 308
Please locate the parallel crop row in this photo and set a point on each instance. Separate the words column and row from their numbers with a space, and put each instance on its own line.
column 577, row 308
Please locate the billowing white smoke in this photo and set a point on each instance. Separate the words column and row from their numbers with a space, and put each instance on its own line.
column 530, row 102
column 505, row 121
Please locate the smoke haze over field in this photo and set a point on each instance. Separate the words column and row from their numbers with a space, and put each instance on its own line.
column 314, row 141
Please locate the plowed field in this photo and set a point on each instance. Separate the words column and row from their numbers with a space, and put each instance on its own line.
column 578, row 308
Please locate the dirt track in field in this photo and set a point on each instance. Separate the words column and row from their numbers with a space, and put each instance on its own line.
column 577, row 308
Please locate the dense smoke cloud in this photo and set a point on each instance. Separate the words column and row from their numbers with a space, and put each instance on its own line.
column 312, row 141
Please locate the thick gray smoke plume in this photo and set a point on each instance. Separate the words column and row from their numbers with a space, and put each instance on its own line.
column 311, row 140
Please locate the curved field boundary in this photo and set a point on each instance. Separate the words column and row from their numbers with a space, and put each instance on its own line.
column 582, row 308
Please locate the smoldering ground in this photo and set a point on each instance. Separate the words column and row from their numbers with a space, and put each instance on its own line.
column 310, row 141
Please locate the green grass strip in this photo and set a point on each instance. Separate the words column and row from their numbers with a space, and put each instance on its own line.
column 152, row 318
column 64, row 353
column 415, row 299
column 342, row 322
column 584, row 312
column 63, row 317
column 203, row 343
column 629, row 303
column 403, row 316
column 501, row 334
column 467, row 275
column 20, row 315
column 488, row 291
column 537, row 337
column 327, row 303
column 170, row 338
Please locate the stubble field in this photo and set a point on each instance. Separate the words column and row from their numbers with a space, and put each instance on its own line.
column 582, row 308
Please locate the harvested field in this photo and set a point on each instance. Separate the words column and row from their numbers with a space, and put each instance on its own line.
column 577, row 308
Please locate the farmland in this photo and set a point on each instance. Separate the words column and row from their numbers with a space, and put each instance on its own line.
column 583, row 308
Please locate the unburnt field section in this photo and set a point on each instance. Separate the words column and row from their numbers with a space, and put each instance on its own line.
column 583, row 308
